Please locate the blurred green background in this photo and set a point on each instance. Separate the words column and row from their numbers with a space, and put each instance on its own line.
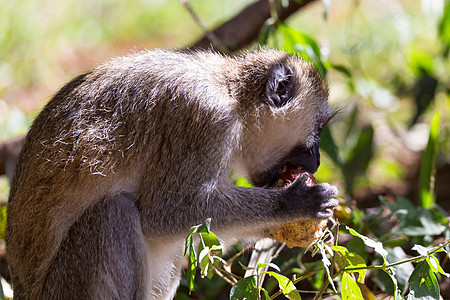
column 387, row 64
column 392, row 52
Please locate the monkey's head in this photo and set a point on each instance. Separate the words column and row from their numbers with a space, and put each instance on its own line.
column 286, row 100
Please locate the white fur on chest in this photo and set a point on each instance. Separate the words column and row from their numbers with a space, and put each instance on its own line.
column 165, row 260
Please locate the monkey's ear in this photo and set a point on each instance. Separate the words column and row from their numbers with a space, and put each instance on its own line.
column 280, row 86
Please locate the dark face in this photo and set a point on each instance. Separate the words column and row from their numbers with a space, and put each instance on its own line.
column 307, row 158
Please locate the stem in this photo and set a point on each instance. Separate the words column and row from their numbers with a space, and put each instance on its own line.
column 234, row 277
column 415, row 258
column 298, row 280
column 276, row 295
column 322, row 290
column 232, row 259
column 231, row 282
column 273, row 10
column 275, row 255
column 336, row 232
column 201, row 240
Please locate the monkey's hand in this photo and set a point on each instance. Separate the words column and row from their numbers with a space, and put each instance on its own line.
column 310, row 201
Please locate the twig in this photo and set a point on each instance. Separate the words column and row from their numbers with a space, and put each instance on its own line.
column 322, row 290
column 412, row 259
column 273, row 10
column 275, row 255
column 210, row 35
column 229, row 273
column 233, row 258
column 228, row 280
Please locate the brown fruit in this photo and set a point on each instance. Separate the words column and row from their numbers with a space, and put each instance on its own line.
column 303, row 232
column 300, row 233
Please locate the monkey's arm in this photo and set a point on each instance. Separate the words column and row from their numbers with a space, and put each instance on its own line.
column 265, row 207
column 250, row 210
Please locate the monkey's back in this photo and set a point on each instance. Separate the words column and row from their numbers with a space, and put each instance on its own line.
column 79, row 147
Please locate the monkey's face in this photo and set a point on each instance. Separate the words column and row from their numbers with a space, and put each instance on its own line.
column 287, row 123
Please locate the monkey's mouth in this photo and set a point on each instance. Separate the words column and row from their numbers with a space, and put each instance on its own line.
column 296, row 162
column 282, row 175
column 289, row 174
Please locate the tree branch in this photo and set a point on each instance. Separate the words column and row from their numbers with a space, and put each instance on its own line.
column 244, row 28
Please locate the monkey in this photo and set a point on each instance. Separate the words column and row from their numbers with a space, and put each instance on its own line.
column 125, row 158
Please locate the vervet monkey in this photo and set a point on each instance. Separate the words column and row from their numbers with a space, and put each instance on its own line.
column 126, row 158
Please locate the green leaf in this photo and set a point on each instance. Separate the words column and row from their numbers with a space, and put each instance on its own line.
column 218, row 260
column 428, row 167
column 192, row 263
column 2, row 222
column 391, row 273
column 244, row 267
column 294, row 39
column 202, row 228
column 420, row 60
column 204, row 263
column 349, row 289
column 401, row 203
column 356, row 245
column 359, row 157
column 266, row 294
column 208, row 243
column 403, row 271
column 351, row 260
column 423, row 283
column 444, row 26
column 210, row 240
column 377, row 246
column 241, row 181
column 287, row 287
column 245, row 289
column 188, row 241
column 272, row 265
column 435, row 266
column 328, row 145
column 342, row 69
column 299, row 43
column 353, row 116
column 205, row 227
column 418, row 221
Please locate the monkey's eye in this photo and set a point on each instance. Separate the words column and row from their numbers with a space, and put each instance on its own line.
column 280, row 86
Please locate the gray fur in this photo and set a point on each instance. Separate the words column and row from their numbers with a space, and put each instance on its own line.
column 125, row 158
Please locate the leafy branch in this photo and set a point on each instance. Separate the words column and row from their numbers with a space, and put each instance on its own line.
column 338, row 261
